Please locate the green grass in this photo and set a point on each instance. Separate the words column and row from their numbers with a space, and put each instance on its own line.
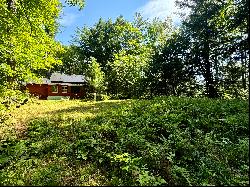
column 167, row 140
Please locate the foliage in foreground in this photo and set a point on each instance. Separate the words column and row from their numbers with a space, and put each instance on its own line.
column 167, row 140
column 10, row 99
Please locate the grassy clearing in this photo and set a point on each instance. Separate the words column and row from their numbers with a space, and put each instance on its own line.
column 167, row 140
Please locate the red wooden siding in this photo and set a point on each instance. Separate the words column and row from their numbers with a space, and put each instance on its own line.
column 59, row 87
column 40, row 90
column 43, row 91
column 69, row 93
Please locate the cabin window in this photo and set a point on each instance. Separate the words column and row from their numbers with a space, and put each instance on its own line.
column 64, row 89
column 54, row 89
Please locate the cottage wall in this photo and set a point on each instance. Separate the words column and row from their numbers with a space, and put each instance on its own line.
column 50, row 93
column 44, row 90
column 40, row 90
column 69, row 93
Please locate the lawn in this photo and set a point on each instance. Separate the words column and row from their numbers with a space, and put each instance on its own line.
column 166, row 140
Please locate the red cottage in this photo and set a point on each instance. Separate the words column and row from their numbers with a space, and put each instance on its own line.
column 59, row 86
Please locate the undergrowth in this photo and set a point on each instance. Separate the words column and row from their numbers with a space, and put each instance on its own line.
column 163, row 141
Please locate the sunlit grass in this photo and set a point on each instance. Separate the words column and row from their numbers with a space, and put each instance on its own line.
column 62, row 114
column 56, row 109
column 67, row 108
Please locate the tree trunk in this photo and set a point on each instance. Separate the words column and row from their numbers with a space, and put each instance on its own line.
column 243, row 71
column 210, row 84
column 248, row 43
column 174, row 90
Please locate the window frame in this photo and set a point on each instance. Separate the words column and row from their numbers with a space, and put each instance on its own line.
column 63, row 89
column 56, row 86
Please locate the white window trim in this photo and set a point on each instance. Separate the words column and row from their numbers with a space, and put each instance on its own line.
column 56, row 89
column 64, row 89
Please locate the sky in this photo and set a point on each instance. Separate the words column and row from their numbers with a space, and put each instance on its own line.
column 71, row 17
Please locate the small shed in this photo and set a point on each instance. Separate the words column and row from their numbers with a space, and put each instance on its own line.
column 59, row 86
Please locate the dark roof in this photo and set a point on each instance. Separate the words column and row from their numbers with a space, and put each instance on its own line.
column 60, row 77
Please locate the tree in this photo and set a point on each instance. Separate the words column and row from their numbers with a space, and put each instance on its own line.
column 27, row 44
column 169, row 73
column 99, row 42
column 71, row 63
column 121, row 46
column 95, row 76
column 127, row 73
column 212, row 43
column 233, row 22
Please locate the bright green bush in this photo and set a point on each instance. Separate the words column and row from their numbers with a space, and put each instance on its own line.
column 164, row 141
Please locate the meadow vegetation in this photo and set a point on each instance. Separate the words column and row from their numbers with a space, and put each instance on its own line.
column 162, row 141
column 182, row 117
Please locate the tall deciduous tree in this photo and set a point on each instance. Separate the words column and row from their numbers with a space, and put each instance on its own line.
column 27, row 44
column 95, row 75
column 213, row 43
column 118, row 46
column 233, row 23
column 169, row 73
column 127, row 74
